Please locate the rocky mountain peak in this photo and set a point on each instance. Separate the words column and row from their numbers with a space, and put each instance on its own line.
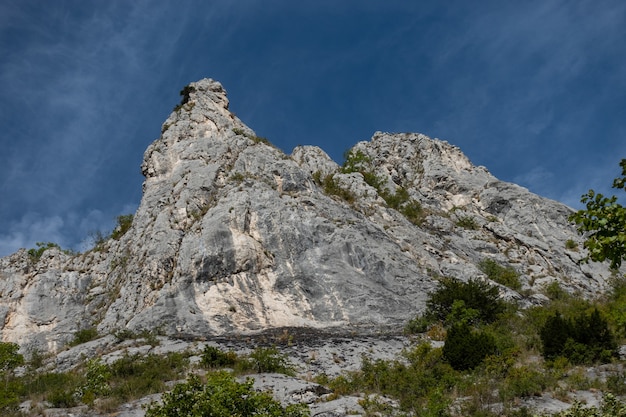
column 234, row 236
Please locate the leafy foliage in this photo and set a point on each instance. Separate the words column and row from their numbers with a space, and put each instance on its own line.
column 185, row 94
column 476, row 295
column 213, row 357
column 358, row 161
column 269, row 359
column 401, row 201
column 35, row 254
column 135, row 375
column 330, row 186
column 220, row 396
column 585, row 339
column 467, row 222
column 124, row 222
column 9, row 357
column 603, row 223
column 465, row 349
column 9, row 360
column 610, row 407
column 523, row 381
column 84, row 336
column 419, row 382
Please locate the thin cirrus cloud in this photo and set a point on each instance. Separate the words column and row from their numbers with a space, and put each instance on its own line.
column 531, row 90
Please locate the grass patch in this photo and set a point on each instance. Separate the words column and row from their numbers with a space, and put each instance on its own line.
column 504, row 275
column 84, row 336
column 330, row 186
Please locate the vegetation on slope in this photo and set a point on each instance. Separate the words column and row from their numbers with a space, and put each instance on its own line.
column 104, row 387
column 495, row 353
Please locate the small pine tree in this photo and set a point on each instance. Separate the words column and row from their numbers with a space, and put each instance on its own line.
column 554, row 335
column 464, row 349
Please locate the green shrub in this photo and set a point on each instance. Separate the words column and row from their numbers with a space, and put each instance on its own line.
column 467, row 222
column 397, row 200
column 615, row 306
column 421, row 382
column 523, row 381
column 356, row 161
column 220, row 396
column 554, row 291
column 185, row 96
column 124, row 222
column 35, row 254
column 267, row 360
column 84, row 336
column 462, row 314
column 45, row 383
column 419, row 324
column 506, row 276
column 584, row 339
column 97, row 378
column 476, row 295
column 134, row 376
column 610, row 407
column 571, row 245
column 124, row 334
column 330, row 186
column 414, row 212
column 213, row 357
column 10, row 397
column 62, row 399
column 9, row 358
column 400, row 201
column 466, row 349
column 616, row 383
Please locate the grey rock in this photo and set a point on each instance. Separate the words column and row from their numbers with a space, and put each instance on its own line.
column 232, row 236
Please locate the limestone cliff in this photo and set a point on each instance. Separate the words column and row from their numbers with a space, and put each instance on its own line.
column 233, row 235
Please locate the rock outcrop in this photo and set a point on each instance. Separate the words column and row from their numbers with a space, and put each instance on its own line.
column 234, row 236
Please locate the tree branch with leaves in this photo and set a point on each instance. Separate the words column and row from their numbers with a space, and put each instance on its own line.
column 603, row 223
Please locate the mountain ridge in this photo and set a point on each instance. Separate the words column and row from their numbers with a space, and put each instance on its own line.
column 234, row 236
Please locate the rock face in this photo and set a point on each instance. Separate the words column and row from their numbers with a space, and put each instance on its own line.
column 234, row 236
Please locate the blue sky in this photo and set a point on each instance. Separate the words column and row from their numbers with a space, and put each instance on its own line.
column 533, row 90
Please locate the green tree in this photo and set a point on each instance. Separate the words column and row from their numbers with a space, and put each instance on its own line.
column 603, row 222
column 465, row 349
column 584, row 339
column 476, row 295
column 554, row 334
column 9, row 358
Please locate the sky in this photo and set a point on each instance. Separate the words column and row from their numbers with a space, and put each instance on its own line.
column 533, row 90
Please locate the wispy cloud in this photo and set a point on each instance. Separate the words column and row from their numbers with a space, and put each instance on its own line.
column 532, row 90
column 29, row 230
column 73, row 75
